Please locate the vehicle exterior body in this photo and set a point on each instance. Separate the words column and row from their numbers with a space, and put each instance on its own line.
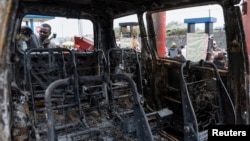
column 42, row 98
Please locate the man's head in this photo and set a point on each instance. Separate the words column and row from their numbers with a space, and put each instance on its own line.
column 214, row 44
column 45, row 31
column 27, row 31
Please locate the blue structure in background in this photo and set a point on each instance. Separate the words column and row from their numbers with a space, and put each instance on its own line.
column 36, row 18
column 208, row 24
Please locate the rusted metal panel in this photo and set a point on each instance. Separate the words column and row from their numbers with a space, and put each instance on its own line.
column 4, row 107
column 5, row 6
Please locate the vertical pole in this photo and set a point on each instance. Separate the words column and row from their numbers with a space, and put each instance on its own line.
column 32, row 24
column 191, row 27
column 209, row 28
column 160, row 29
column 80, row 28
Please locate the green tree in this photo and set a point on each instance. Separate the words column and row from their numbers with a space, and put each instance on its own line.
column 117, row 32
column 175, row 28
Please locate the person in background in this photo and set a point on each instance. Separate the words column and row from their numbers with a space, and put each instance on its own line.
column 28, row 37
column 43, row 39
column 214, row 46
column 173, row 51
column 213, row 50
column 135, row 43
column 219, row 60
column 216, row 51
column 184, row 51
column 218, row 56
column 179, row 56
column 210, row 48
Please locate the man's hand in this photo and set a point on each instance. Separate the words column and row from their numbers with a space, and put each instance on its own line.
column 45, row 43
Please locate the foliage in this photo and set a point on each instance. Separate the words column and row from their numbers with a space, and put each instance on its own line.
column 176, row 28
column 117, row 31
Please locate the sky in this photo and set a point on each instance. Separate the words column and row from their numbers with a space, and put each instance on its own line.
column 206, row 11
column 186, row 13
column 64, row 27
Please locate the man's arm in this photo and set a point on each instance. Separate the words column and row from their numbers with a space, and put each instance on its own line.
column 52, row 45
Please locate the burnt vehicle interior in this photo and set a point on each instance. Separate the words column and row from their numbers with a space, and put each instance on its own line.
column 113, row 93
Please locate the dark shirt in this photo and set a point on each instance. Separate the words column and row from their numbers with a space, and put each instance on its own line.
column 32, row 42
column 180, row 58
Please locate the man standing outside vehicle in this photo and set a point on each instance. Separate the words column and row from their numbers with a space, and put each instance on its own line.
column 43, row 40
column 135, row 43
column 173, row 51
